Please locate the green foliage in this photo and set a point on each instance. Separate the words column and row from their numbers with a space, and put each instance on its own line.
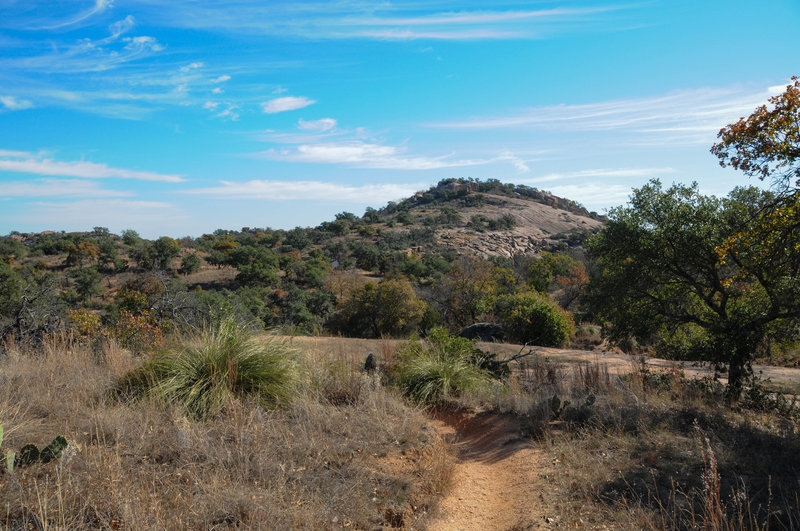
column 766, row 143
column 315, row 270
column 543, row 272
column 662, row 273
column 531, row 317
column 442, row 368
column 53, row 450
column 87, row 282
column 164, row 250
column 221, row 364
column 190, row 264
column 157, row 254
column 11, row 250
column 298, row 238
column 389, row 308
column 27, row 456
column 559, row 407
column 11, row 284
column 482, row 223
column 130, row 237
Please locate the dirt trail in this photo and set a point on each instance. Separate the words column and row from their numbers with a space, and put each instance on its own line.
column 498, row 476
column 619, row 363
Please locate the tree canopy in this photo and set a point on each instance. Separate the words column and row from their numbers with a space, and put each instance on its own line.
column 663, row 277
column 766, row 144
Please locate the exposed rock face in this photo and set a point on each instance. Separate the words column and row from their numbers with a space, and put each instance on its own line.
column 493, row 244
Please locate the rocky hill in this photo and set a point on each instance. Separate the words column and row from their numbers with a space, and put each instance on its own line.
column 491, row 218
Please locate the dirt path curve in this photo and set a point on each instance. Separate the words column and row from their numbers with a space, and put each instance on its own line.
column 498, row 476
column 619, row 363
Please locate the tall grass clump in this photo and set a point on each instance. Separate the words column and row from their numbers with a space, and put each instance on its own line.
column 441, row 369
column 222, row 363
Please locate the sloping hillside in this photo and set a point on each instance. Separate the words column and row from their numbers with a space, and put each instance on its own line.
column 491, row 218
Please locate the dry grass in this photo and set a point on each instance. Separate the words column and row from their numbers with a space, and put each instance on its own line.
column 651, row 451
column 323, row 462
column 657, row 451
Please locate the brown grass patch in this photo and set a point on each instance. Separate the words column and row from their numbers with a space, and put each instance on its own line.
column 320, row 463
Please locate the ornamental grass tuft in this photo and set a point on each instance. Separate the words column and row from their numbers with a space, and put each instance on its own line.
column 443, row 369
column 221, row 364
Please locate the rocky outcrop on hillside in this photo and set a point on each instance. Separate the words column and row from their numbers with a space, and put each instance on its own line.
column 492, row 244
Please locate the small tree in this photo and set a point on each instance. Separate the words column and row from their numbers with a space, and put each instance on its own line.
column 389, row 308
column 87, row 282
column 130, row 237
column 190, row 264
column 164, row 250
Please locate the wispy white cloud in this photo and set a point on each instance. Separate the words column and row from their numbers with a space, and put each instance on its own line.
column 286, row 103
column 230, row 112
column 365, row 155
column 384, row 20
column 309, row 190
column 88, row 55
column 21, row 162
column 99, row 7
column 58, row 188
column 519, row 163
column 11, row 103
column 690, row 116
column 191, row 66
column 450, row 35
column 12, row 153
column 323, row 124
column 222, row 79
column 601, row 173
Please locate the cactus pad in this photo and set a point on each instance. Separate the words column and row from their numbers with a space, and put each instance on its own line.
column 28, row 455
column 53, row 450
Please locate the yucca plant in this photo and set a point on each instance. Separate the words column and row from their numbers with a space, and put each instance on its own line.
column 442, row 369
column 222, row 363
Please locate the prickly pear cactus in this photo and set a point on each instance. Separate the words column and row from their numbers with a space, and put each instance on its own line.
column 28, row 455
column 53, row 450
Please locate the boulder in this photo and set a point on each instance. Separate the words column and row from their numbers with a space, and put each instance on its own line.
column 483, row 332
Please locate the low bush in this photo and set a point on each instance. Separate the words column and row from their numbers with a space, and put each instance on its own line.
column 533, row 318
column 221, row 364
column 441, row 369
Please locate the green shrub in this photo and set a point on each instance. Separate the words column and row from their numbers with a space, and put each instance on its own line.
column 442, row 369
column 531, row 317
column 221, row 364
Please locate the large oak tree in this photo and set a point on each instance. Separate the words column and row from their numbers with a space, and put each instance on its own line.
column 664, row 279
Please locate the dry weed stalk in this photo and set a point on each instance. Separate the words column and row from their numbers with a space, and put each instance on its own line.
column 713, row 509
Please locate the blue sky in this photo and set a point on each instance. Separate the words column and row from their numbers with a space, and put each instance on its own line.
column 180, row 117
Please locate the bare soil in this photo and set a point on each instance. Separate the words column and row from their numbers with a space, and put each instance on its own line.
column 617, row 361
column 787, row 378
column 498, row 478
